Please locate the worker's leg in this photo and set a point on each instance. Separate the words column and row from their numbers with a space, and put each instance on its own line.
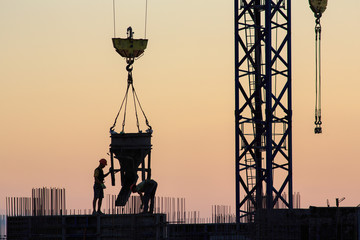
column 94, row 204
column 152, row 197
column 99, row 205
column 145, row 201
column 96, row 196
column 100, row 200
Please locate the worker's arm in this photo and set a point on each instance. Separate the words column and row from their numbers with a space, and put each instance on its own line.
column 141, row 198
column 115, row 171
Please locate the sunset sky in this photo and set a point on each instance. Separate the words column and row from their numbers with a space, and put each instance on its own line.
column 61, row 85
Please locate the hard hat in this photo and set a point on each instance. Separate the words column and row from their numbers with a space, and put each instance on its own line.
column 103, row 161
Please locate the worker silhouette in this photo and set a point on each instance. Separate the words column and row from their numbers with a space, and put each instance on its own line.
column 99, row 186
column 146, row 189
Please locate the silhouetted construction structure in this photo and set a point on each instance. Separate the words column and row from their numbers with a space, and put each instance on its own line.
column 52, row 202
column 263, row 107
column 281, row 224
column 43, row 201
column 266, row 207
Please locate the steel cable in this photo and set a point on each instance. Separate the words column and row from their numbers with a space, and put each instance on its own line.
column 117, row 115
column 318, row 121
column 135, row 100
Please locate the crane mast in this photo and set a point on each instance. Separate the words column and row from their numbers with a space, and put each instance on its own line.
column 263, row 113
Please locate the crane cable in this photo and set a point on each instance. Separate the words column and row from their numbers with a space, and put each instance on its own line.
column 146, row 13
column 146, row 8
column 318, row 121
column 129, row 68
column 114, row 18
column 318, row 7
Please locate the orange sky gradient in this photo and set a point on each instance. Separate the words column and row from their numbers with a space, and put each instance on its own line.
column 61, row 85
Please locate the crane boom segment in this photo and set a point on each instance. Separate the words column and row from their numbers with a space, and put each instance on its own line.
column 262, row 102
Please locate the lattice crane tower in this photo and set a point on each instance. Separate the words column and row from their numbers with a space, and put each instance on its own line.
column 263, row 113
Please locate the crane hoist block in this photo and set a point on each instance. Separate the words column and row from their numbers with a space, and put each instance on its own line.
column 318, row 6
column 130, row 48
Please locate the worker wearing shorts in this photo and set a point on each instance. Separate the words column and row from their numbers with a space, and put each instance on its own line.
column 99, row 186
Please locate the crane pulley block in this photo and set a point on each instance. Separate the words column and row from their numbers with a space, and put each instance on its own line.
column 129, row 47
column 318, row 7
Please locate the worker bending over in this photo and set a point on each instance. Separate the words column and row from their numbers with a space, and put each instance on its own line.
column 146, row 189
column 99, row 185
